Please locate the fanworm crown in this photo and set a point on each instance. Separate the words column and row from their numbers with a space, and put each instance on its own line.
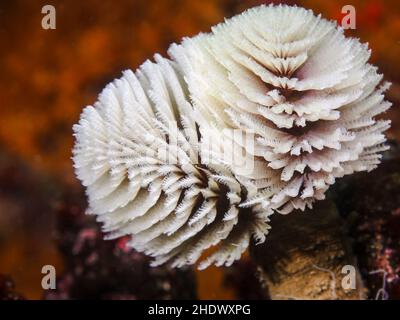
column 259, row 116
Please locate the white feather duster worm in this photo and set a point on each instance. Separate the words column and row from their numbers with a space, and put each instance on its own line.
column 303, row 88
column 277, row 87
column 153, row 172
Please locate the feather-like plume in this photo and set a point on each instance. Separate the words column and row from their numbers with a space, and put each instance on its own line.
column 261, row 115
column 154, row 172
column 304, row 90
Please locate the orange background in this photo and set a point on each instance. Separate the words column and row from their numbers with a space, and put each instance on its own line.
column 48, row 76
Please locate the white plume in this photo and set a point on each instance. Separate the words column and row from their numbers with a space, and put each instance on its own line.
column 261, row 115
column 303, row 88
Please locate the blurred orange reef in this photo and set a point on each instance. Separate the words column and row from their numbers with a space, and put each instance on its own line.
column 48, row 76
